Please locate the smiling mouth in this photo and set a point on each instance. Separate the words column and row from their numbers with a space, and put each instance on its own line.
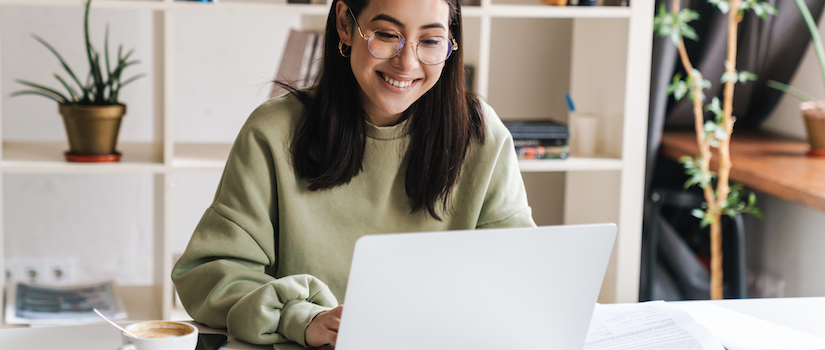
column 396, row 83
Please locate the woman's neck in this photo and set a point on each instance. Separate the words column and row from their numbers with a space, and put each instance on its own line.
column 388, row 120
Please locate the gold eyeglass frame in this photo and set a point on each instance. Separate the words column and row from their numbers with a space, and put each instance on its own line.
column 367, row 38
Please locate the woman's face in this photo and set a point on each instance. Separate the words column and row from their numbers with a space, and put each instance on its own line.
column 390, row 86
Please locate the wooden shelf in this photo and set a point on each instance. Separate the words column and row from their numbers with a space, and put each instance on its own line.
column 47, row 157
column 570, row 164
column 763, row 161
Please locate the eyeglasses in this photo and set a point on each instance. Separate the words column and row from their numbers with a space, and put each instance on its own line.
column 385, row 44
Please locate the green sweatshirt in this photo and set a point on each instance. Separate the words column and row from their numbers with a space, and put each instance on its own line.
column 268, row 254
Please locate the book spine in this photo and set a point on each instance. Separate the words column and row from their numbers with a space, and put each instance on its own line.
column 539, row 135
column 539, row 142
column 538, row 128
column 541, row 152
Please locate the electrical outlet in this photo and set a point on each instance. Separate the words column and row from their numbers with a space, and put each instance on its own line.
column 14, row 272
column 34, row 271
column 60, row 271
column 51, row 271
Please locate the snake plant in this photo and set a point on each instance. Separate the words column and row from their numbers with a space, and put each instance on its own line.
column 103, row 82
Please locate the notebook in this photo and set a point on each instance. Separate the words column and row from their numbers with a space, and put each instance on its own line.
column 516, row 288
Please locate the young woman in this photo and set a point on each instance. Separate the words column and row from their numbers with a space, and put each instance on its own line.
column 387, row 141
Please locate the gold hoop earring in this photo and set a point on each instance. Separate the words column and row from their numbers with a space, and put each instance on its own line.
column 341, row 49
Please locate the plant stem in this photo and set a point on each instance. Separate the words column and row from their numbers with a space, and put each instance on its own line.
column 704, row 146
column 715, row 201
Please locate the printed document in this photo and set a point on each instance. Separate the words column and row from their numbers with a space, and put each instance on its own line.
column 649, row 325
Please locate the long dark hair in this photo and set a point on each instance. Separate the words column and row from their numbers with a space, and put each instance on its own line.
column 328, row 144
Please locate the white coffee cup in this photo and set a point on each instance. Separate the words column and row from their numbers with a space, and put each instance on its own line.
column 160, row 335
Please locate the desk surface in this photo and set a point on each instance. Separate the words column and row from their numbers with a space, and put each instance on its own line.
column 803, row 314
column 766, row 162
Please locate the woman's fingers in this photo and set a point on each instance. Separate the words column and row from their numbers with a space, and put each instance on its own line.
column 324, row 328
column 335, row 319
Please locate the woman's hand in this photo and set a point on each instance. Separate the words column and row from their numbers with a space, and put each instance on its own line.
column 324, row 328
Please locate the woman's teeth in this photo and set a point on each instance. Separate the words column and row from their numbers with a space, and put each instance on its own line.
column 396, row 83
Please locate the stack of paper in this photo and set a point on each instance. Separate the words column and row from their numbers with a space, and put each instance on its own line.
column 688, row 326
column 33, row 304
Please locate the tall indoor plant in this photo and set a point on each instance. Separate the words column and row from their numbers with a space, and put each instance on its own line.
column 714, row 132
column 93, row 114
column 813, row 110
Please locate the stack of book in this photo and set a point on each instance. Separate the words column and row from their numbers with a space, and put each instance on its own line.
column 543, row 139
column 301, row 61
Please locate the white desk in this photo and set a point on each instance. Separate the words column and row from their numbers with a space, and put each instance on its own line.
column 803, row 314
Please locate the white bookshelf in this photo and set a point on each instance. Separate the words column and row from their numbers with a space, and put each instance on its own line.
column 607, row 62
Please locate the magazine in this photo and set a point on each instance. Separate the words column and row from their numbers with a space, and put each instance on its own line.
column 34, row 304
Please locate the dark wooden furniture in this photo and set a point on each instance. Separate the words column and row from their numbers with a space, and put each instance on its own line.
column 763, row 161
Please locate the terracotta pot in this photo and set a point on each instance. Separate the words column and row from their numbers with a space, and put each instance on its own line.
column 555, row 2
column 92, row 131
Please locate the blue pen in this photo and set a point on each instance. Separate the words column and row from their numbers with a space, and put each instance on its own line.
column 570, row 106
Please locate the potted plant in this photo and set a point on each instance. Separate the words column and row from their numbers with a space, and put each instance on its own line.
column 720, row 197
column 813, row 110
column 92, row 113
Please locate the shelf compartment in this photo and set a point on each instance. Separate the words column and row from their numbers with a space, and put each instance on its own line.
column 47, row 157
column 201, row 156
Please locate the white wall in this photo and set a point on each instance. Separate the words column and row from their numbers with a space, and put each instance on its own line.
column 223, row 65
column 789, row 242
column 104, row 223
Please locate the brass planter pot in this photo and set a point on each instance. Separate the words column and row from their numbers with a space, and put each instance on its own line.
column 92, row 131
column 813, row 112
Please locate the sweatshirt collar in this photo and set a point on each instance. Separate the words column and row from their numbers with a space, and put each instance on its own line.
column 388, row 132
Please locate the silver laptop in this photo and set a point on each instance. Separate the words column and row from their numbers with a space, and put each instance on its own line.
column 518, row 288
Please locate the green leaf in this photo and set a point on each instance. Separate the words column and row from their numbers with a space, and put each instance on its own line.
column 39, row 93
column 732, row 201
column 757, row 213
column 716, row 108
column 69, row 88
column 44, row 89
column 706, row 221
column 714, row 132
column 698, row 213
column 814, row 30
column 59, row 58
column 136, row 77
column 722, row 5
column 106, row 52
column 678, row 87
column 728, row 76
column 694, row 172
column 761, row 9
column 675, row 25
column 790, row 90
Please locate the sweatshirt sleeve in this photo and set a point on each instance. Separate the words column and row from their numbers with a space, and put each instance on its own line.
column 505, row 203
column 224, row 277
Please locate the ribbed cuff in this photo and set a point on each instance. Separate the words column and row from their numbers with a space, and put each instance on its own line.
column 296, row 317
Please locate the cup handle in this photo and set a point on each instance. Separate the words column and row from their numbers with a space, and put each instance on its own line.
column 127, row 347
